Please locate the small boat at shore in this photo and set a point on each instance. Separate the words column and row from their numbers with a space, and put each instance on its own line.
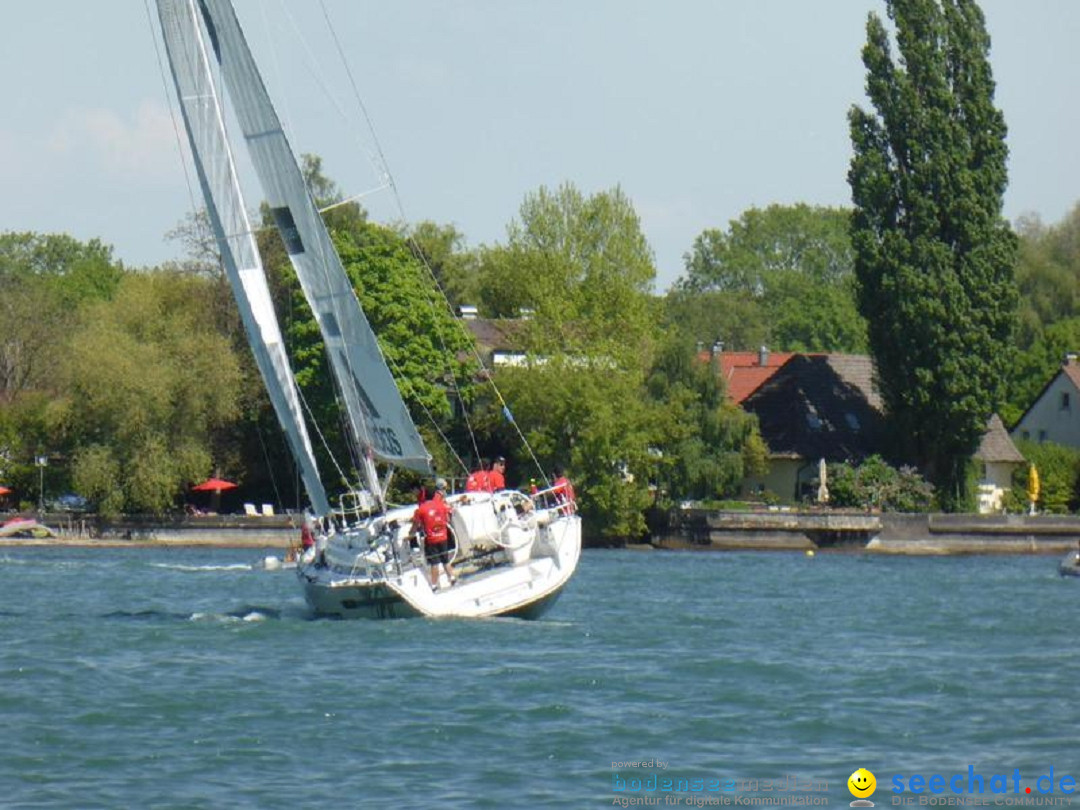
column 514, row 552
column 1070, row 565
column 25, row 528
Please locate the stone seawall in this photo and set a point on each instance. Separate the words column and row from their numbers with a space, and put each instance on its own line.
column 277, row 531
column 701, row 529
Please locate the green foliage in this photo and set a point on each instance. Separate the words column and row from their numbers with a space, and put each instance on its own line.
column 1059, row 478
column 582, row 265
column 45, row 279
column 442, row 249
column 95, row 473
column 145, row 384
column 875, row 484
column 934, row 259
column 596, row 424
column 705, row 444
column 1048, row 265
column 737, row 319
column 789, row 269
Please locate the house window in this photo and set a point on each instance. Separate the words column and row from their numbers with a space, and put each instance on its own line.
column 1025, row 434
column 852, row 420
column 1064, row 400
column 1042, row 435
column 813, row 421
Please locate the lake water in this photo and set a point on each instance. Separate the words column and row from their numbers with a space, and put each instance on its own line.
column 180, row 678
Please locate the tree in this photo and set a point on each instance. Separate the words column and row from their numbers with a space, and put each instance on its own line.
column 790, row 268
column 45, row 279
column 705, row 443
column 583, row 267
column 441, row 248
column 145, row 384
column 1046, row 273
column 934, row 259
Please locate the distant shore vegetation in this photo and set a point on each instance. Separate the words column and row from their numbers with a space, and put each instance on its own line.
column 136, row 382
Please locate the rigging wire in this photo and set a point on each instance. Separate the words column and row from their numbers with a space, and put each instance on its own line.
column 383, row 166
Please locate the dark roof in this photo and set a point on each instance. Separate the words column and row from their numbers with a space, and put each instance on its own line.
column 820, row 406
column 496, row 334
column 996, row 445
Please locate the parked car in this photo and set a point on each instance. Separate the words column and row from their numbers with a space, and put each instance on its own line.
column 69, row 502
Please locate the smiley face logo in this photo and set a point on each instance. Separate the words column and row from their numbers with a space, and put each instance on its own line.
column 862, row 783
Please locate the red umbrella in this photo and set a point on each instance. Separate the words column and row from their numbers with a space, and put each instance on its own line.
column 4, row 490
column 213, row 485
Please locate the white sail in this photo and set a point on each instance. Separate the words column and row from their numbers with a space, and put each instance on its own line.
column 200, row 103
column 379, row 421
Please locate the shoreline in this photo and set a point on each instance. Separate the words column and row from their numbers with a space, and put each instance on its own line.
column 927, row 534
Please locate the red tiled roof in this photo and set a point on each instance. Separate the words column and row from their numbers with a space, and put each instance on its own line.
column 743, row 373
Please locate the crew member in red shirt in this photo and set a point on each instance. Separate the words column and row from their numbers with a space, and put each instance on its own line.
column 563, row 491
column 433, row 516
column 497, row 476
column 479, row 480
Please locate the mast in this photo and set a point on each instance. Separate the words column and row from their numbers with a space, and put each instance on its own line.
column 200, row 104
column 379, row 423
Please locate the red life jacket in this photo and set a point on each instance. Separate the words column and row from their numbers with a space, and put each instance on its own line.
column 434, row 516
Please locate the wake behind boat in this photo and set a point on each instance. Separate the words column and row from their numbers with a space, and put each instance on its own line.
column 514, row 552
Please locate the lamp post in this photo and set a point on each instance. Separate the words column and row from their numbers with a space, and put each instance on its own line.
column 42, row 462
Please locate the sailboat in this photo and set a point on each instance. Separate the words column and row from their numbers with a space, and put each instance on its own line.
column 513, row 552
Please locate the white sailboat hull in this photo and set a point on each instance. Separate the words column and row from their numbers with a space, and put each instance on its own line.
column 366, row 582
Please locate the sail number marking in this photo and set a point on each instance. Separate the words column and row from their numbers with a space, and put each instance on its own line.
column 386, row 441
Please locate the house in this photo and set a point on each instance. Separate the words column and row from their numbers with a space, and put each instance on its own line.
column 815, row 406
column 1054, row 416
column 997, row 458
column 826, row 406
column 498, row 340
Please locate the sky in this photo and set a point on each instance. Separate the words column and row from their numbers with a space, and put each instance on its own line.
column 697, row 109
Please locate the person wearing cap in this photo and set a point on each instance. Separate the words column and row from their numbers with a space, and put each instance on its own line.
column 497, row 476
column 433, row 517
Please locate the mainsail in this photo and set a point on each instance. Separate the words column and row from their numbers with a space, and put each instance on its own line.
column 214, row 163
column 378, row 419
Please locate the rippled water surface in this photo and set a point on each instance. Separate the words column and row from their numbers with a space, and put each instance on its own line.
column 182, row 678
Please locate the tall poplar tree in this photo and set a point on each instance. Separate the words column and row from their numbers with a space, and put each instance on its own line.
column 934, row 258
